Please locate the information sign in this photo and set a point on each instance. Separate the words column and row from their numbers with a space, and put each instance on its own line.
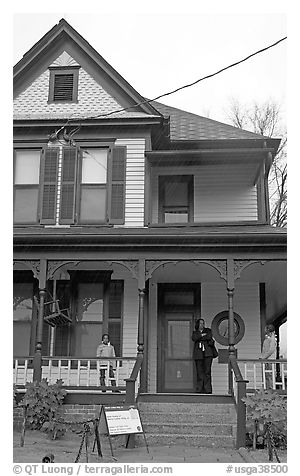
column 123, row 420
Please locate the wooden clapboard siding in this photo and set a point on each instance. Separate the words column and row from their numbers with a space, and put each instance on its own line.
column 221, row 192
column 135, row 177
column 246, row 304
column 130, row 311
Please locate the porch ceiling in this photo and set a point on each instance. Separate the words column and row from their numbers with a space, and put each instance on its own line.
column 274, row 275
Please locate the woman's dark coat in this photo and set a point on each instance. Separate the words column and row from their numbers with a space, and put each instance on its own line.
column 206, row 340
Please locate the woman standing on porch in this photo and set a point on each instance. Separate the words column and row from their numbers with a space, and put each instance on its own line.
column 269, row 352
column 105, row 349
column 203, row 356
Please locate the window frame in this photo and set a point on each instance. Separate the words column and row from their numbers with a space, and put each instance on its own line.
column 162, row 180
column 105, row 186
column 55, row 71
column 20, row 147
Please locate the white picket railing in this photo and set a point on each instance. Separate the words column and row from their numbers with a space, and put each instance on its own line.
column 75, row 372
column 264, row 373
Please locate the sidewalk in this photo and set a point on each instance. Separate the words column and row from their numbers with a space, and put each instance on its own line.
column 65, row 450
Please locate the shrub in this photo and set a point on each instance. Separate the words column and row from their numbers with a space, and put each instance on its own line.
column 266, row 419
column 43, row 402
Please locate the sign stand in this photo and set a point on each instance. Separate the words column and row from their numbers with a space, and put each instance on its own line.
column 121, row 420
column 146, row 444
column 97, row 438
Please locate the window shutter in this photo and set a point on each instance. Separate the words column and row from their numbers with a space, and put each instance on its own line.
column 117, row 186
column 68, row 185
column 49, row 185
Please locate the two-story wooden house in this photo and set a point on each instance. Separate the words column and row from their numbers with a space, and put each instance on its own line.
column 134, row 218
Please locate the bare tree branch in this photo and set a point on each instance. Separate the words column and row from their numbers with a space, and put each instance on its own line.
column 265, row 119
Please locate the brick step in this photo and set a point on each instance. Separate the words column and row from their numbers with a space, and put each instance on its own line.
column 158, row 417
column 207, row 441
column 172, row 407
column 187, row 429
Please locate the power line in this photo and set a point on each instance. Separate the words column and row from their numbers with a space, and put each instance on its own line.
column 148, row 101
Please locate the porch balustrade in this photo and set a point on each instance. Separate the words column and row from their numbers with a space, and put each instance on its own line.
column 248, row 375
column 259, row 372
column 75, row 372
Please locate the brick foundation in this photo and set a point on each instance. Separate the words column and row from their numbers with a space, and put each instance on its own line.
column 74, row 412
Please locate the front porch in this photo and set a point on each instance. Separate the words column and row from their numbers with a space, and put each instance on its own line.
column 160, row 302
column 238, row 288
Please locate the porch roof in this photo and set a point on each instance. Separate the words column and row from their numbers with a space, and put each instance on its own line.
column 234, row 236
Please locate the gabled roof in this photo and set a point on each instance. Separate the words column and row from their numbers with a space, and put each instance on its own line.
column 188, row 126
column 61, row 33
column 184, row 126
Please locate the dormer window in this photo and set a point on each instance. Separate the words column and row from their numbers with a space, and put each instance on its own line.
column 63, row 86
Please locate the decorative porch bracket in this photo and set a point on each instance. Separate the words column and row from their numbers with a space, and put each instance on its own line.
column 242, row 264
column 218, row 265
column 54, row 266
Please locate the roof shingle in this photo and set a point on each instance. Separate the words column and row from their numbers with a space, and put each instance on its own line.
column 188, row 126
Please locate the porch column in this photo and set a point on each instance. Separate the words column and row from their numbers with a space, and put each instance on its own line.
column 141, row 322
column 37, row 361
column 230, row 294
column 142, row 293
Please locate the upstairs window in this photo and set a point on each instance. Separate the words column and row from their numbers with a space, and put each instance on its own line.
column 176, row 199
column 63, row 86
column 93, row 186
column 26, row 185
column 70, row 185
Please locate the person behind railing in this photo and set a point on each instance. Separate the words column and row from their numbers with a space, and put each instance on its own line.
column 106, row 349
column 269, row 352
column 203, row 356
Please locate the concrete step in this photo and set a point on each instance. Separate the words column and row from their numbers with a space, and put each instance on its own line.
column 192, row 408
column 188, row 429
column 191, row 423
column 207, row 441
column 184, row 417
column 185, row 398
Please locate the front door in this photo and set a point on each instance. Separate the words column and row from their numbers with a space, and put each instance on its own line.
column 179, row 307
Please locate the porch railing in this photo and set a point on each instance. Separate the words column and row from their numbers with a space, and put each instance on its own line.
column 77, row 372
column 246, row 375
column 264, row 373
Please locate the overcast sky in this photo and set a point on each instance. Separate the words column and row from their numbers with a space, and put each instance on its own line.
column 159, row 50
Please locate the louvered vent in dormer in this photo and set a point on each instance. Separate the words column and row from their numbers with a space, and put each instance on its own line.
column 63, row 85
